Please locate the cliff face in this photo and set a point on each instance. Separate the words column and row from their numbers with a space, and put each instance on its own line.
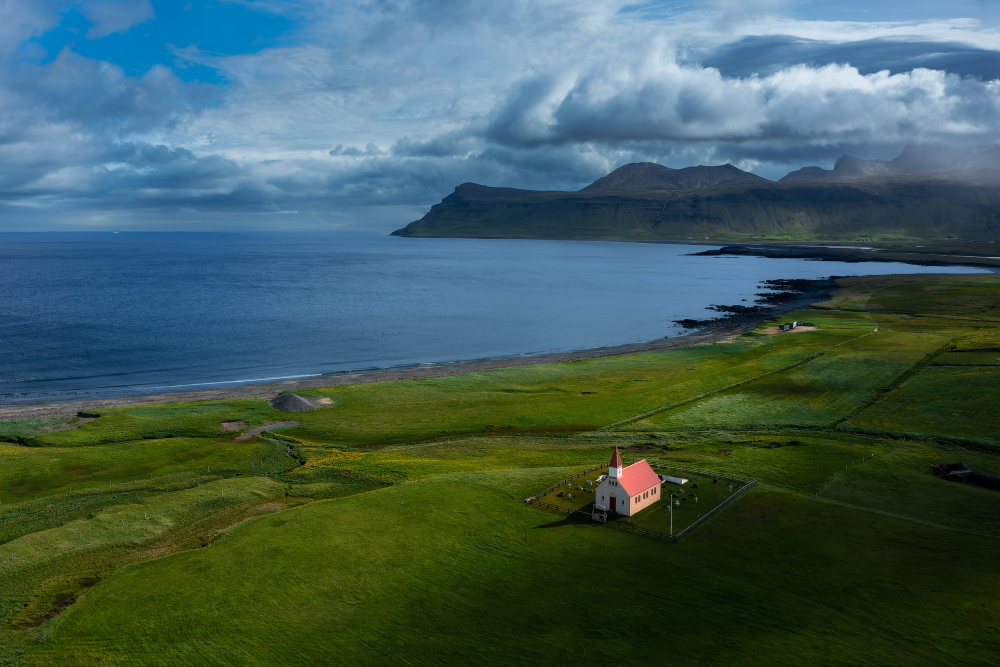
column 645, row 201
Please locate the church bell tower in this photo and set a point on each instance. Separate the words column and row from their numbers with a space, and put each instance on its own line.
column 615, row 466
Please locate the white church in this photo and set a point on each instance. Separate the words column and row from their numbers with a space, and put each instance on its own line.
column 627, row 490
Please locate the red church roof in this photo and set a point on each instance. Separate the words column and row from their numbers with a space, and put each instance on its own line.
column 638, row 477
column 616, row 460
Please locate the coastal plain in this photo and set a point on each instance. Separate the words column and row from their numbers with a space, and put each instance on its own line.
column 389, row 525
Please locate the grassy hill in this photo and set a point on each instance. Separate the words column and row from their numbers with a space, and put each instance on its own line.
column 648, row 202
column 391, row 527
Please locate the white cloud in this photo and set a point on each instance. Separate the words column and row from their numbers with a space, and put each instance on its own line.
column 658, row 99
column 20, row 21
column 111, row 16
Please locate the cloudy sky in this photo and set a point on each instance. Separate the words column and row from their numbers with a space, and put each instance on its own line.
column 323, row 114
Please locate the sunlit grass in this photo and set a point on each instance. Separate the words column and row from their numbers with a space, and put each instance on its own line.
column 193, row 419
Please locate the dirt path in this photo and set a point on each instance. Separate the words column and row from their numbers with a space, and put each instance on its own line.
column 257, row 430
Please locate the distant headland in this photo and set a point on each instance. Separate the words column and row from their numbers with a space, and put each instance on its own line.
column 926, row 193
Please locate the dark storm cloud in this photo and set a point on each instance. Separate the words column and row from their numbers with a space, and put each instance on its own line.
column 515, row 120
column 794, row 156
column 128, row 174
column 152, row 168
column 766, row 54
column 544, row 168
column 448, row 144
column 392, row 180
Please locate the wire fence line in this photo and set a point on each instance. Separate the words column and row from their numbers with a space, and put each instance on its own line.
column 557, row 508
column 641, row 530
column 750, row 484
column 707, row 473
column 568, row 480
column 695, row 399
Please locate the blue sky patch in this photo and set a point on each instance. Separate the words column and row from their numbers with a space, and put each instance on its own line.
column 212, row 27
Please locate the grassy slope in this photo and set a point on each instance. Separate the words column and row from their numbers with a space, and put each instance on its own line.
column 950, row 402
column 170, row 420
column 44, row 471
column 458, row 572
column 816, row 393
column 570, row 396
column 840, row 558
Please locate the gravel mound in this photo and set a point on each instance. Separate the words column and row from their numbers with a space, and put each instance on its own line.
column 291, row 403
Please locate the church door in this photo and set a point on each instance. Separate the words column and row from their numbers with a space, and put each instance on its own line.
column 612, row 503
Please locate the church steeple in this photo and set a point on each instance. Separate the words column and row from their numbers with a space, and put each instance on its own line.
column 615, row 466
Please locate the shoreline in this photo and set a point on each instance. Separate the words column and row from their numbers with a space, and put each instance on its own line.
column 735, row 320
column 443, row 369
column 721, row 329
column 869, row 252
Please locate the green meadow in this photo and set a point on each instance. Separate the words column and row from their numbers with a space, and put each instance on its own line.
column 390, row 525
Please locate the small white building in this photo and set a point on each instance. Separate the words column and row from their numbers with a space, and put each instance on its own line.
column 673, row 480
column 627, row 490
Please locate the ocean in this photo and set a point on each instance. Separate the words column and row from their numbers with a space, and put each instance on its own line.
column 92, row 315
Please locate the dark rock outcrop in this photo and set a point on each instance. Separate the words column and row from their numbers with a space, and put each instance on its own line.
column 292, row 403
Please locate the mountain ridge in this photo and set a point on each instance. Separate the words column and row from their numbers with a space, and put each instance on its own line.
column 639, row 176
column 927, row 192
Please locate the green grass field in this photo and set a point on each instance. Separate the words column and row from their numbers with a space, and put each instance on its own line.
column 391, row 526
column 942, row 401
column 851, row 369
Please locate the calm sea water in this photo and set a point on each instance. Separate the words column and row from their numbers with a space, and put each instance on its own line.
column 100, row 314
